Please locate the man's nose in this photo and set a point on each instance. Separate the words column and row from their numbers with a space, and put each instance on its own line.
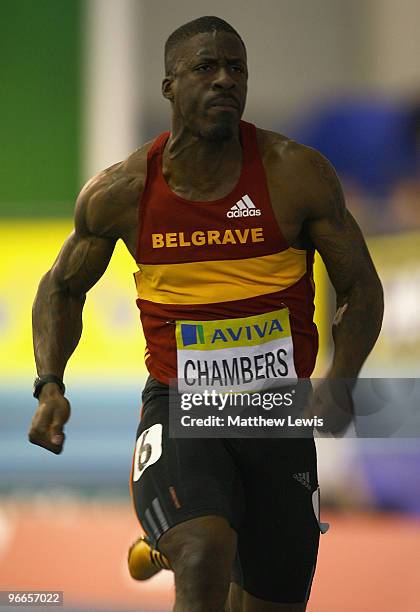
column 223, row 79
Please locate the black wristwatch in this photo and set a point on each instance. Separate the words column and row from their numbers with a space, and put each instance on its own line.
column 40, row 381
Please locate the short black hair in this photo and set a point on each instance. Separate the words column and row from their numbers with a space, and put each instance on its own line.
column 196, row 26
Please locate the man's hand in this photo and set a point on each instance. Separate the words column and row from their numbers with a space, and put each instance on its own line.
column 48, row 421
column 333, row 403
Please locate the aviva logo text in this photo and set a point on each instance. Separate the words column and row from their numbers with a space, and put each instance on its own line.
column 228, row 333
column 246, row 332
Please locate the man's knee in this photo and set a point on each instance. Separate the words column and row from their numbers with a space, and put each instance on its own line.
column 199, row 541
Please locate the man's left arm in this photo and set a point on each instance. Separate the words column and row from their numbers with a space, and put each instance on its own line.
column 337, row 237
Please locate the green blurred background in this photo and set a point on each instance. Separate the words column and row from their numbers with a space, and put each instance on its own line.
column 40, row 107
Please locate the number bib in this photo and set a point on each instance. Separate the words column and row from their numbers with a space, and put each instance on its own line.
column 241, row 354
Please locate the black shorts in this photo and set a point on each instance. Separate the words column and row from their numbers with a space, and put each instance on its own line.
column 265, row 488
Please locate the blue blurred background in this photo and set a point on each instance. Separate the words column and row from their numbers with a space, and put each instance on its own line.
column 80, row 91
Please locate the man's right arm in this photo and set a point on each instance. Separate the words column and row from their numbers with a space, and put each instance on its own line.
column 57, row 310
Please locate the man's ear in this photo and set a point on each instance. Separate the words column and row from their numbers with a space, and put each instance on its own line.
column 167, row 88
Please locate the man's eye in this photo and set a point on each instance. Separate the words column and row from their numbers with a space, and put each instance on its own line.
column 203, row 68
column 238, row 68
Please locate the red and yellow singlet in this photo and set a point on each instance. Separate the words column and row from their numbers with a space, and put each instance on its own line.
column 223, row 300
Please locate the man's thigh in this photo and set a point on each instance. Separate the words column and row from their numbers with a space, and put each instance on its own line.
column 177, row 479
column 279, row 536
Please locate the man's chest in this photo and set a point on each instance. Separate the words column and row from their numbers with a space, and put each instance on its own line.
column 246, row 211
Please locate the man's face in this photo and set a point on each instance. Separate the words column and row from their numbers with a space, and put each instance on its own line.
column 208, row 84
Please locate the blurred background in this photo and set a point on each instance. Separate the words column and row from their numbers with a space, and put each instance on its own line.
column 80, row 84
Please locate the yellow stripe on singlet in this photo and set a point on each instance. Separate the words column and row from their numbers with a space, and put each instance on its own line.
column 211, row 282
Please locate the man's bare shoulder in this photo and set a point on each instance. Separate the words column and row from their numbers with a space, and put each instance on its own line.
column 279, row 149
column 304, row 168
column 108, row 201
column 136, row 162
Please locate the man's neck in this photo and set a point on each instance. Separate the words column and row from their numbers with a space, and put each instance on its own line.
column 196, row 168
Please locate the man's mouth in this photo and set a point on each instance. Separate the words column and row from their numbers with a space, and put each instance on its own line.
column 225, row 103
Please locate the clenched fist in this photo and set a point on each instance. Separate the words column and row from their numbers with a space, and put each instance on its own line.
column 332, row 402
column 49, row 419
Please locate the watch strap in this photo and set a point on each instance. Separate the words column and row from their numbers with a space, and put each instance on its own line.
column 40, row 381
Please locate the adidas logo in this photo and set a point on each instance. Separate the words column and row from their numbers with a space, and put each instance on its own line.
column 244, row 207
column 303, row 478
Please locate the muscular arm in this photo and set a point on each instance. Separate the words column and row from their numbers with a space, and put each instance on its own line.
column 57, row 311
column 337, row 237
column 105, row 211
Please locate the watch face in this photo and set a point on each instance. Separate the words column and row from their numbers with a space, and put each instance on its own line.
column 38, row 384
column 34, row 388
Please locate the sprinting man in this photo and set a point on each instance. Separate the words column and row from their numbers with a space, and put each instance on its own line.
column 222, row 219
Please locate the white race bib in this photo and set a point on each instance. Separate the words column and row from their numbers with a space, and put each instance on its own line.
column 241, row 354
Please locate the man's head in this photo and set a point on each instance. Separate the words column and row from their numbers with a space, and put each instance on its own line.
column 206, row 77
